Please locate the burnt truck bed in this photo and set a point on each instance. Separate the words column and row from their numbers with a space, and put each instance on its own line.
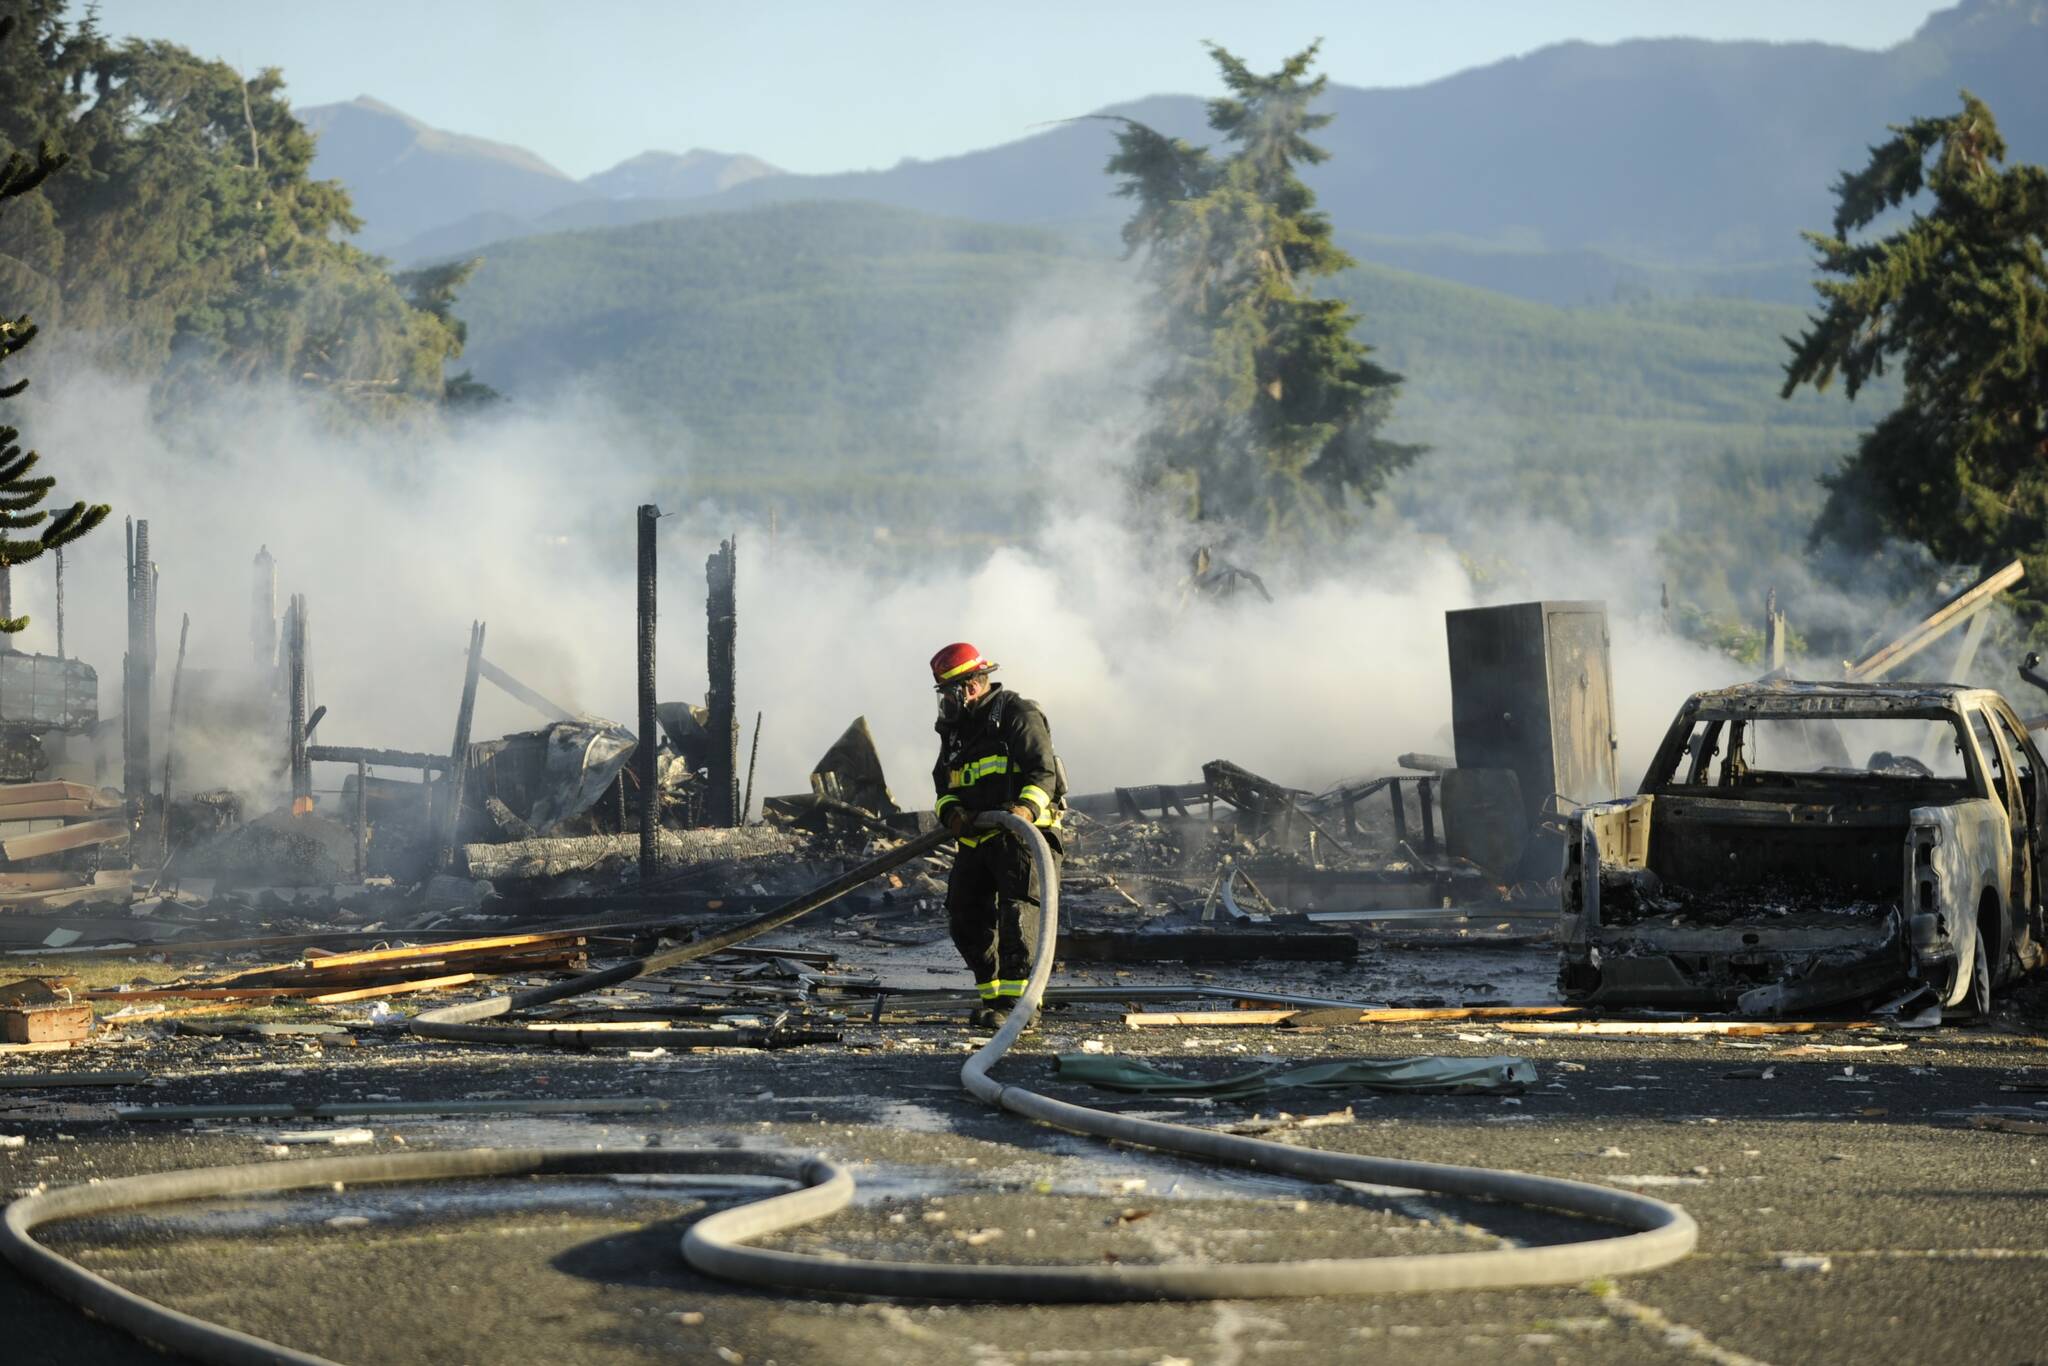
column 1722, row 904
column 1802, row 845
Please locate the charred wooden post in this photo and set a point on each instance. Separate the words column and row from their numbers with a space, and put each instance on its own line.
column 263, row 610
column 136, row 670
column 721, row 609
column 753, row 758
column 643, row 752
column 171, row 735
column 147, row 567
column 458, row 753
column 295, row 685
column 362, row 820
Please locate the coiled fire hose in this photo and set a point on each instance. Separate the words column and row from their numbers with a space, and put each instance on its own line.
column 718, row 1244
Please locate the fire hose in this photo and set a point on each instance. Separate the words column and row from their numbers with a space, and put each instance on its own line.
column 719, row 1244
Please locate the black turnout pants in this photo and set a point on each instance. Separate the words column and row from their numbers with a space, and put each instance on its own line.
column 992, row 910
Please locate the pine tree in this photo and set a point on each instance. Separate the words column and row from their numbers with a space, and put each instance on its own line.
column 1957, row 297
column 19, row 492
column 1267, row 413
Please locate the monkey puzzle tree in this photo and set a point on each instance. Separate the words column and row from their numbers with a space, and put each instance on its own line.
column 21, row 491
column 1266, row 415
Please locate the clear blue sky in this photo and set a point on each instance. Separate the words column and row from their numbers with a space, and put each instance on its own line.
column 829, row 85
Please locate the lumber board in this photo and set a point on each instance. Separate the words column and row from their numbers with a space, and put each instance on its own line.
column 69, row 808
column 53, row 790
column 197, row 993
column 13, row 884
column 554, row 939
column 333, row 998
column 70, row 837
column 1325, row 1016
column 1147, row 1019
column 1683, row 1028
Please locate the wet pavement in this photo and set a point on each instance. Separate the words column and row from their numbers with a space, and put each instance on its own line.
column 1849, row 1210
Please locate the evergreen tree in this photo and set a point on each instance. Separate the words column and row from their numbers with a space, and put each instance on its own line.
column 20, row 494
column 189, row 241
column 1957, row 297
column 1267, row 413
column 432, row 290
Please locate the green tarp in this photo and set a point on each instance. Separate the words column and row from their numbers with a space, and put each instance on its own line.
column 1491, row 1076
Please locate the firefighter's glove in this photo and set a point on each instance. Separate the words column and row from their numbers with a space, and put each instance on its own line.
column 957, row 820
column 1024, row 813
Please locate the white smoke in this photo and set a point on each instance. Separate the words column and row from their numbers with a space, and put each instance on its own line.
column 526, row 520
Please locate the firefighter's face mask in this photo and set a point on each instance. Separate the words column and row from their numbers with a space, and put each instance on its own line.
column 955, row 698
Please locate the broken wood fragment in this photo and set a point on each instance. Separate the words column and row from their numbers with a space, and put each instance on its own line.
column 328, row 962
column 456, row 979
column 69, row 837
column 1313, row 1019
column 61, row 1023
column 1145, row 1019
column 1684, row 1028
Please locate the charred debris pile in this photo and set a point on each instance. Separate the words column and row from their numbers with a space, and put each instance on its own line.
column 535, row 852
column 429, row 872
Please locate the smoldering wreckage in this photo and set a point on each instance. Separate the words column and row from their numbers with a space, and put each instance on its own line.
column 1849, row 855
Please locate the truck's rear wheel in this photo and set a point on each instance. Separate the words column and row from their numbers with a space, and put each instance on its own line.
column 1974, row 1002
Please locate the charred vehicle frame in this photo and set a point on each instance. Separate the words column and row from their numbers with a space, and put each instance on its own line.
column 1761, row 868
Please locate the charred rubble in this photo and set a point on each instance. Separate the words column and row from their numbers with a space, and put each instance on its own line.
column 503, row 853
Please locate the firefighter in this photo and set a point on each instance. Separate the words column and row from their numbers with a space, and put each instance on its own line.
column 995, row 754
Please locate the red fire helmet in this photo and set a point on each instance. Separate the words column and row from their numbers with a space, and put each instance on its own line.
column 959, row 660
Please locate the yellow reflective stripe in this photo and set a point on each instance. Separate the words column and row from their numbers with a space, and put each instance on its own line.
column 940, row 809
column 971, row 840
column 1005, row 987
column 981, row 768
column 959, row 669
column 1040, row 799
column 987, row 989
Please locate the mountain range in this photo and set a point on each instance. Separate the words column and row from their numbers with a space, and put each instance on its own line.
column 417, row 188
column 1664, row 166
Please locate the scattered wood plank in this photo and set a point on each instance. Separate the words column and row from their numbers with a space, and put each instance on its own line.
column 332, row 998
column 1683, row 1028
column 1325, row 1018
column 328, row 962
column 54, row 790
column 69, row 809
column 54, row 880
column 199, row 993
column 1149, row 1019
column 58, row 841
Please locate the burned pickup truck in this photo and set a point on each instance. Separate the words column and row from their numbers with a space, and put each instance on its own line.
column 1802, row 845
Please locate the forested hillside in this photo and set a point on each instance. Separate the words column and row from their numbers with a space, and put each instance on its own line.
column 796, row 352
